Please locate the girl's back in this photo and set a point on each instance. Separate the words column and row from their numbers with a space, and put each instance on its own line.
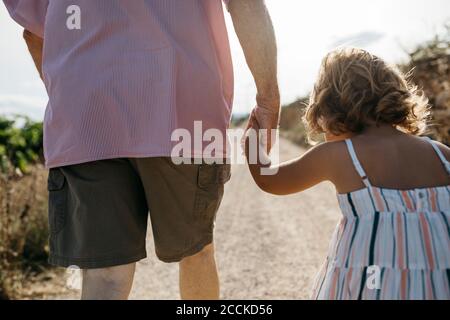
column 394, row 240
column 392, row 160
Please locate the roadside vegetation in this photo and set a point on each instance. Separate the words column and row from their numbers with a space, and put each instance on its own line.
column 23, row 205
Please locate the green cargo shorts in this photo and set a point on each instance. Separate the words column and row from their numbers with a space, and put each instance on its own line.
column 98, row 211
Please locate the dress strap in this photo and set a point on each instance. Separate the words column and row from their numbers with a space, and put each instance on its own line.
column 441, row 156
column 357, row 164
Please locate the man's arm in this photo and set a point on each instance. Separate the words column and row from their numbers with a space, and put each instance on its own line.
column 35, row 46
column 257, row 37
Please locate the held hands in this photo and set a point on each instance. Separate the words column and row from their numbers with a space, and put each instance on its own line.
column 265, row 122
column 258, row 140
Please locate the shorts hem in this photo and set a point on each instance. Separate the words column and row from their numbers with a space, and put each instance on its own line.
column 190, row 252
column 66, row 262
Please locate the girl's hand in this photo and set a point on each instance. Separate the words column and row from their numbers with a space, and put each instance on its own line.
column 254, row 143
column 289, row 177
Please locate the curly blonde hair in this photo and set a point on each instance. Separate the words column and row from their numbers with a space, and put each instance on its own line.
column 356, row 89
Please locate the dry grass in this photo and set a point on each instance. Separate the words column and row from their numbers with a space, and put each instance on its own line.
column 23, row 230
column 430, row 65
column 291, row 124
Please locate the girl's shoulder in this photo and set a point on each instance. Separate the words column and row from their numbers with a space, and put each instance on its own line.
column 331, row 149
column 332, row 156
column 438, row 146
column 337, row 152
column 336, row 165
column 444, row 149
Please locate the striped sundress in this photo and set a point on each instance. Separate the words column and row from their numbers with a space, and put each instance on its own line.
column 390, row 244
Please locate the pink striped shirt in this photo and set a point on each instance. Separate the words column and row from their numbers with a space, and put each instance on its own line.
column 134, row 72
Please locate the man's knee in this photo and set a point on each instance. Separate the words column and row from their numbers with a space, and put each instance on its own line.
column 114, row 277
column 206, row 254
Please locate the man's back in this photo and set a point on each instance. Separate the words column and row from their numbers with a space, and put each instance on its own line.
column 126, row 74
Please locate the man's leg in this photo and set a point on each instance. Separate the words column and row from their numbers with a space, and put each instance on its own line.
column 98, row 223
column 109, row 283
column 183, row 201
column 199, row 279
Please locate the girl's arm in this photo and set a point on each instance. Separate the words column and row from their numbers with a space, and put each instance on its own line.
column 296, row 175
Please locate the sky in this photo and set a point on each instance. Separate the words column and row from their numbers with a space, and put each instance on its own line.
column 305, row 30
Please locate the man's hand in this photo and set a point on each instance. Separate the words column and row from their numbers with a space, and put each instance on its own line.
column 255, row 32
column 35, row 46
column 267, row 120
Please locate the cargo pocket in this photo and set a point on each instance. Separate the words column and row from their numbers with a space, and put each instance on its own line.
column 57, row 202
column 210, row 186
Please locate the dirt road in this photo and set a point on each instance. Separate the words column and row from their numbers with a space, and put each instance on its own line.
column 267, row 247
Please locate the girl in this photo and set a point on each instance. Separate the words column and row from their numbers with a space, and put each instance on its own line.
column 393, row 241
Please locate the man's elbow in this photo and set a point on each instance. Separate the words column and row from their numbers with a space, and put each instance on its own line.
column 35, row 46
column 34, row 42
column 29, row 36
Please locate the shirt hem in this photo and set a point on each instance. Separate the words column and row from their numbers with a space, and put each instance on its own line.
column 57, row 164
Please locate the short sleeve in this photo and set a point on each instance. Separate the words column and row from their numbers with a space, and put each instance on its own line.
column 30, row 14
